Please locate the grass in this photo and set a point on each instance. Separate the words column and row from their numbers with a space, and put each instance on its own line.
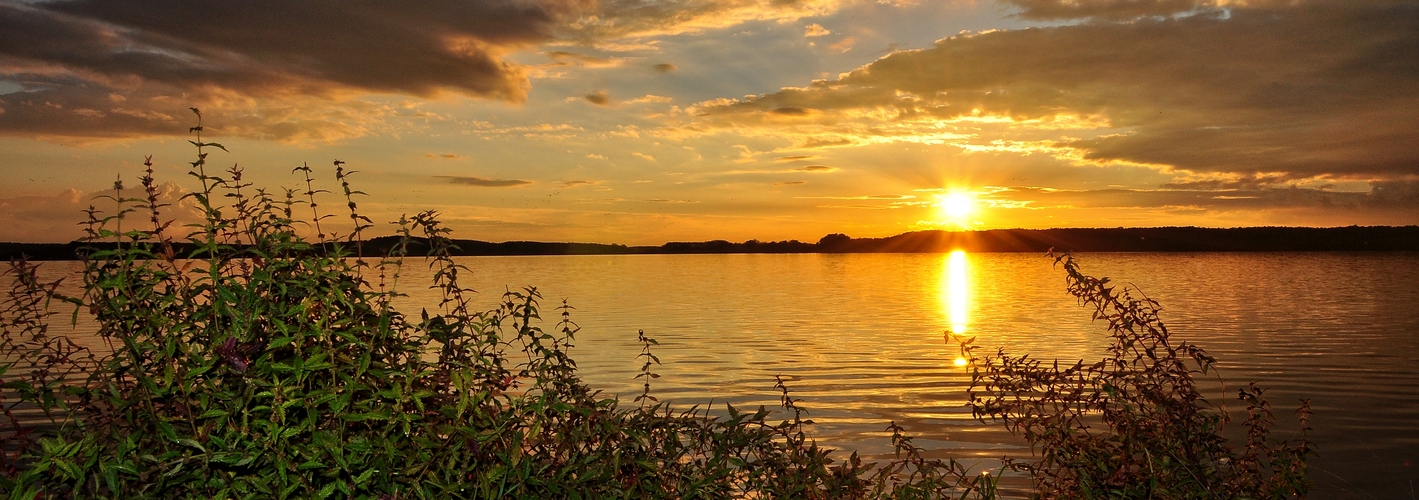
column 266, row 364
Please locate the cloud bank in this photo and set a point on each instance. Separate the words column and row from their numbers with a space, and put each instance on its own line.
column 121, row 67
column 124, row 68
column 1280, row 93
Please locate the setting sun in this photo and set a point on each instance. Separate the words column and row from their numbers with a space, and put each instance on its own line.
column 956, row 206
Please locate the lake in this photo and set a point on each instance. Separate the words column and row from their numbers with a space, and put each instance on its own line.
column 859, row 337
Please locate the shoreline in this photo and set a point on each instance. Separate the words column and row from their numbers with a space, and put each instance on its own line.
column 1155, row 239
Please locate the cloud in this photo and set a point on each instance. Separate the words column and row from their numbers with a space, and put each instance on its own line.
column 862, row 207
column 59, row 218
column 584, row 60
column 824, row 142
column 844, row 45
column 599, row 98
column 481, row 182
column 795, row 158
column 443, row 156
column 1126, row 9
column 1382, row 196
column 817, row 169
column 630, row 19
column 815, row 29
column 161, row 56
column 443, row 45
column 125, row 68
column 790, row 183
column 651, row 98
column 867, row 197
column 1318, row 90
column 643, row 156
column 545, row 131
column 579, row 183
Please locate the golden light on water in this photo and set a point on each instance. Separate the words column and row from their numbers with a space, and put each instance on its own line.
column 956, row 294
column 957, row 291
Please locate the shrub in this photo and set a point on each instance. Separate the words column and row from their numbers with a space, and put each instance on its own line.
column 1134, row 424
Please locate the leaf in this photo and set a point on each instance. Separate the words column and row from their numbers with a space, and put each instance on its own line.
column 326, row 491
column 192, row 444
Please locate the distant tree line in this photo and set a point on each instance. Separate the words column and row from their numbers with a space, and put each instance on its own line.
column 1149, row 239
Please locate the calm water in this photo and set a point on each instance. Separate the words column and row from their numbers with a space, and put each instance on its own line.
column 859, row 337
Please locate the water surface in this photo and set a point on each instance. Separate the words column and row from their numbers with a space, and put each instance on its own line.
column 859, row 337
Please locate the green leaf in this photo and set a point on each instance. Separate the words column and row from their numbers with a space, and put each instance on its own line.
column 192, row 444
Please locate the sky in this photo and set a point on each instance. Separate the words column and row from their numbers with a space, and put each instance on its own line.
column 647, row 121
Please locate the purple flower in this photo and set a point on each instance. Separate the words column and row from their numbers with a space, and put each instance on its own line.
column 236, row 354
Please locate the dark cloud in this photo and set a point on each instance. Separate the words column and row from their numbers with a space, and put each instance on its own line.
column 1382, row 196
column 76, row 54
column 1322, row 89
column 579, row 183
column 816, row 168
column 599, row 98
column 824, row 142
column 256, row 58
column 1105, row 9
column 1401, row 193
column 790, row 183
column 590, row 61
column 444, row 156
column 481, row 182
column 789, row 111
column 58, row 106
column 795, row 158
column 1116, row 10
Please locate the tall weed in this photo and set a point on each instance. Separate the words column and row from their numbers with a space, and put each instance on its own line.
column 1134, row 424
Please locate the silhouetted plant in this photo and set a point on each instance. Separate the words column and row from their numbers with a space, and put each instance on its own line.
column 1134, row 424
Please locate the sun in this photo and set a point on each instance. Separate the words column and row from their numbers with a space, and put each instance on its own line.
column 956, row 206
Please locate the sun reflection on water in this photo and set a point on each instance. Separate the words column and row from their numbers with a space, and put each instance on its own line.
column 956, row 294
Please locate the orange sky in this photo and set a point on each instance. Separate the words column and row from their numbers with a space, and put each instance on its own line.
column 642, row 122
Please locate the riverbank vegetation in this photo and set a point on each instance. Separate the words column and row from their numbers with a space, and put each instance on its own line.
column 276, row 367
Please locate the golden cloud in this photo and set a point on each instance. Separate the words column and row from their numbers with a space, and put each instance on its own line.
column 481, row 182
column 1313, row 90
